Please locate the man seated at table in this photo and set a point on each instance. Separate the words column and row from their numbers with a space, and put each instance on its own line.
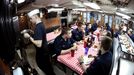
column 101, row 64
column 64, row 43
column 130, row 34
column 88, row 29
column 94, row 26
column 106, row 33
column 78, row 34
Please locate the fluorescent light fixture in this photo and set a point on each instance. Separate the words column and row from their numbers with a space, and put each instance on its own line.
column 75, row 2
column 122, row 9
column 79, row 9
column 55, row 5
column 126, row 17
column 92, row 5
column 55, row 9
column 101, row 11
column 120, row 14
column 20, row 1
column 123, row 15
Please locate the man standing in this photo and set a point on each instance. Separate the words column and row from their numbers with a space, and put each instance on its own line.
column 40, row 42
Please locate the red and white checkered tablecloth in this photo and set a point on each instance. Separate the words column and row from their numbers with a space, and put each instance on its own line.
column 72, row 62
column 51, row 36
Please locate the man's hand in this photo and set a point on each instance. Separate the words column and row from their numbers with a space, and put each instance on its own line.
column 27, row 31
column 74, row 47
column 80, row 59
column 26, row 35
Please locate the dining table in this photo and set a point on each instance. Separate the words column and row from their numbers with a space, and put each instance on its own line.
column 52, row 35
column 73, row 63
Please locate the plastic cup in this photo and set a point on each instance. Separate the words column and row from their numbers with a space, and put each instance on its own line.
column 85, row 44
column 72, row 53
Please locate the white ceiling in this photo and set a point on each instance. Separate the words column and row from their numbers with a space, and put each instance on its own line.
column 44, row 3
column 105, row 5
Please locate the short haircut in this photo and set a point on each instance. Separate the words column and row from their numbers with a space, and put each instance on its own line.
column 65, row 30
column 109, row 34
column 106, row 43
column 79, row 24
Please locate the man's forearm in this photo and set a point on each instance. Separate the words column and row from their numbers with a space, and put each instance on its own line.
column 38, row 43
column 84, row 67
column 65, row 51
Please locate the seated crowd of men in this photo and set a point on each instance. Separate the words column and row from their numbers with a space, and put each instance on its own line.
column 68, row 38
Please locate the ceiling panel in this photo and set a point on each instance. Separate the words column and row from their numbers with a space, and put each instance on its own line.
column 108, row 8
column 106, row 5
column 49, row 2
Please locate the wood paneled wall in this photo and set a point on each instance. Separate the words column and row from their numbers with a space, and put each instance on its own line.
column 52, row 22
column 25, row 23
